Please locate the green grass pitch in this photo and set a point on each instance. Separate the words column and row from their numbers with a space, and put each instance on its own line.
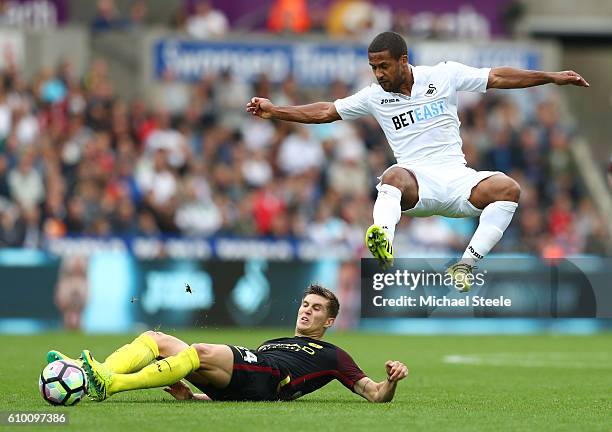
column 456, row 383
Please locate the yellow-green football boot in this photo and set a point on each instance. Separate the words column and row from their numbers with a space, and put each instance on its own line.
column 99, row 377
column 54, row 355
column 462, row 276
column 379, row 245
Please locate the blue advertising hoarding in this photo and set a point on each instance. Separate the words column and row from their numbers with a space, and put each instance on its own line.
column 317, row 63
column 308, row 63
column 255, row 291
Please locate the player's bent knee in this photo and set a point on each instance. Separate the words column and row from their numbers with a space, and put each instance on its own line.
column 512, row 190
column 394, row 177
column 399, row 178
column 167, row 345
column 156, row 336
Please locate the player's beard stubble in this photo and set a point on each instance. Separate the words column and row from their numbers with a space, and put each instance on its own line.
column 395, row 85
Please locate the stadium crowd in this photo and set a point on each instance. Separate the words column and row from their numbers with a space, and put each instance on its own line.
column 77, row 159
column 360, row 19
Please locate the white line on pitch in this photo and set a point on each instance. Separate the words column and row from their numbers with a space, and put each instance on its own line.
column 555, row 360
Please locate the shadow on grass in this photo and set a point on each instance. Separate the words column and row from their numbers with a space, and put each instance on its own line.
column 298, row 402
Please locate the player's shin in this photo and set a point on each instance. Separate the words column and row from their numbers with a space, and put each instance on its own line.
column 388, row 209
column 161, row 373
column 133, row 356
column 494, row 220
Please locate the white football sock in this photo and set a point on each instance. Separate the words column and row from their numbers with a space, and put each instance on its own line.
column 388, row 209
column 494, row 220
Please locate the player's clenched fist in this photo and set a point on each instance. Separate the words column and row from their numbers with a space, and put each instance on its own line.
column 260, row 107
column 396, row 370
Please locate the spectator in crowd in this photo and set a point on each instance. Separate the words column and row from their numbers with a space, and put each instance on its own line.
column 159, row 186
column 229, row 94
column 4, row 187
column 124, row 221
column 25, row 182
column 289, row 16
column 358, row 18
column 147, row 225
column 31, row 228
column 164, row 136
column 299, row 151
column 171, row 94
column 138, row 14
column 256, row 169
column 11, row 225
column 348, row 287
column 195, row 216
column 5, row 116
column 267, row 204
column 206, row 22
column 72, row 290
column 108, row 17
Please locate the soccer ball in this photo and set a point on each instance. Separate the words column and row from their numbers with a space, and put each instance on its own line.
column 62, row 383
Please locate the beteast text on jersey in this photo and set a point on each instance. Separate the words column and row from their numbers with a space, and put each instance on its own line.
column 421, row 113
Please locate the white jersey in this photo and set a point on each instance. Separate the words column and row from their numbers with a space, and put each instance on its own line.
column 423, row 127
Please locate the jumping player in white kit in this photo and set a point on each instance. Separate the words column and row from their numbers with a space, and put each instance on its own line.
column 416, row 106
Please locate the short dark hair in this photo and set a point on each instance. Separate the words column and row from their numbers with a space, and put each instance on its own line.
column 333, row 306
column 389, row 41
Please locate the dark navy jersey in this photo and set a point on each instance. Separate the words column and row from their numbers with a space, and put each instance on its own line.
column 306, row 365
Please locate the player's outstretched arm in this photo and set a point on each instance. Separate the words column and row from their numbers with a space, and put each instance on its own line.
column 385, row 390
column 510, row 78
column 319, row 112
column 182, row 391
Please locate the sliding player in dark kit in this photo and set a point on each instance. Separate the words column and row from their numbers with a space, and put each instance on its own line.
column 280, row 369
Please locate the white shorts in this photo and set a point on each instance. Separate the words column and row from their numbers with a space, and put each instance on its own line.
column 444, row 189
